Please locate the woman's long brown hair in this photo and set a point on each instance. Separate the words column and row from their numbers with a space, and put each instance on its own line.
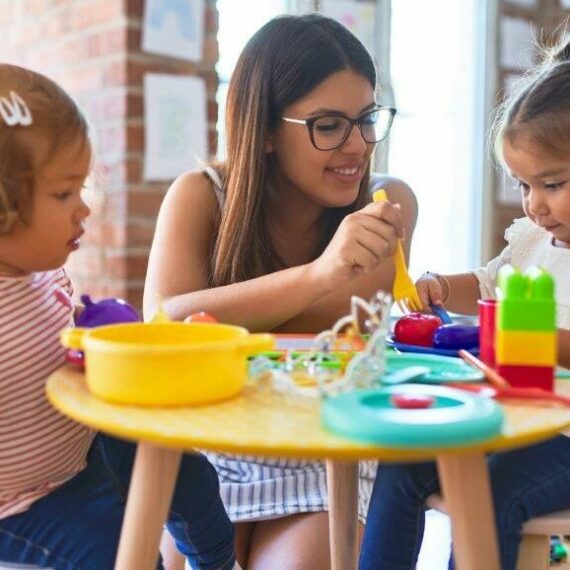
column 286, row 59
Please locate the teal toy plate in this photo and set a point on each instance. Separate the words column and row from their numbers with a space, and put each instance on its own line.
column 562, row 373
column 455, row 418
column 441, row 368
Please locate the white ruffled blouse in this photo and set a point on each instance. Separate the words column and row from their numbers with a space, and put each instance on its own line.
column 529, row 244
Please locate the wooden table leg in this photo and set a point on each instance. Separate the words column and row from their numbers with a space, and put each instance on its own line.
column 150, row 493
column 467, row 493
column 342, row 484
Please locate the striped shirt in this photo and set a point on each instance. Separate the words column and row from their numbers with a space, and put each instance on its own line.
column 39, row 448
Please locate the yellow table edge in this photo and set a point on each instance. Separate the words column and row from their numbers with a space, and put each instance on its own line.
column 67, row 386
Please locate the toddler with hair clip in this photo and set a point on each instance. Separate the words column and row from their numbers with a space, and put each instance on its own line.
column 62, row 486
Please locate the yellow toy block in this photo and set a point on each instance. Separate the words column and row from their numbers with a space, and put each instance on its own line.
column 532, row 348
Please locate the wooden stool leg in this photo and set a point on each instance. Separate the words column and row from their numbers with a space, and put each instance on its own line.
column 467, row 495
column 342, row 484
column 534, row 552
column 150, row 494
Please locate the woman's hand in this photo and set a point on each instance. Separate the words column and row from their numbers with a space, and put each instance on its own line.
column 362, row 241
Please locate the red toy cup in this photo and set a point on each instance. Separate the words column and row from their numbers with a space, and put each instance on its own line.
column 487, row 316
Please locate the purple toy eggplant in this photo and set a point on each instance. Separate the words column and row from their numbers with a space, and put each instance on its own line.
column 456, row 337
column 106, row 312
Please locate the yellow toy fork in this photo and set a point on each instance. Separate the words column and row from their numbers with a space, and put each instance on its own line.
column 404, row 291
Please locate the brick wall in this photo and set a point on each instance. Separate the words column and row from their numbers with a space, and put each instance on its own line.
column 93, row 49
column 546, row 16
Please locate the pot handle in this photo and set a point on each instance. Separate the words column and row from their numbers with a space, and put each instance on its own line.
column 258, row 342
column 72, row 337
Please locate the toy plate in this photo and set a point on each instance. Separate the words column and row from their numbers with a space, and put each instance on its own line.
column 424, row 349
column 441, row 368
column 456, row 418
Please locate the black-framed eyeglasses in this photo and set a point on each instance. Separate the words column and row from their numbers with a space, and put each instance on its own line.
column 328, row 132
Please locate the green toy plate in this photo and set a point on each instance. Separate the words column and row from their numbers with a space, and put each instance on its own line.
column 441, row 368
column 455, row 418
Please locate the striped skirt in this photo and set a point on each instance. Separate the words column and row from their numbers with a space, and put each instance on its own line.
column 255, row 488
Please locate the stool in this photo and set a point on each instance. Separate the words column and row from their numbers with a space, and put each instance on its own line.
column 534, row 551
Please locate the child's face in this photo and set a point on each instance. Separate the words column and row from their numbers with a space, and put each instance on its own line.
column 544, row 181
column 329, row 178
column 56, row 220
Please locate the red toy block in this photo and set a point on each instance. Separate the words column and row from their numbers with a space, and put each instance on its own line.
column 528, row 376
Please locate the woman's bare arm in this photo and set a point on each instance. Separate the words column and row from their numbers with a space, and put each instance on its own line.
column 324, row 312
column 178, row 265
column 299, row 297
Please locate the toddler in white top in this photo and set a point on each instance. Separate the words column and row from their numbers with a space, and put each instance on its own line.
column 533, row 141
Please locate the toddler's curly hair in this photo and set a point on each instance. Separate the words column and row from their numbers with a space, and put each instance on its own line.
column 24, row 149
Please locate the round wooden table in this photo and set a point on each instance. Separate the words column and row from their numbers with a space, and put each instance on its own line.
column 264, row 423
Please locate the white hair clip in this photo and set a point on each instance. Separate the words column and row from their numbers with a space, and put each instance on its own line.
column 15, row 111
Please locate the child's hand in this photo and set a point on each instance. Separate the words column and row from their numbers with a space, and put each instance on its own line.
column 362, row 241
column 433, row 289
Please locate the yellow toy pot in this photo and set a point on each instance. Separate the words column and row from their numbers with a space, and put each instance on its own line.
column 166, row 364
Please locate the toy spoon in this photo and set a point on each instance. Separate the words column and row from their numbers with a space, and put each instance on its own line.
column 440, row 312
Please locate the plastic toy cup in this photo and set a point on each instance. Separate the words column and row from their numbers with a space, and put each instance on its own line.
column 487, row 315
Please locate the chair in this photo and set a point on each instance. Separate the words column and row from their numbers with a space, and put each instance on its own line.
column 534, row 551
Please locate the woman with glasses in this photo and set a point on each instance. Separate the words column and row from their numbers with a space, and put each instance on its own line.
column 278, row 238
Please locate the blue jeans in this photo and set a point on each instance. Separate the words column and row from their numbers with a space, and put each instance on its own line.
column 77, row 526
column 526, row 483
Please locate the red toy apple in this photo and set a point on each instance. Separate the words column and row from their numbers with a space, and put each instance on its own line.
column 416, row 328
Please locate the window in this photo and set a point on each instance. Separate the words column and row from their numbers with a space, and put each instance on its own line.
column 435, row 64
column 437, row 144
column 233, row 33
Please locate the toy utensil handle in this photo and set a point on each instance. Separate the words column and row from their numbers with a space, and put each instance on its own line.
column 441, row 313
column 258, row 342
column 380, row 196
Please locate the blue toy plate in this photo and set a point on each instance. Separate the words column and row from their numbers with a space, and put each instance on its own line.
column 456, row 417
column 424, row 349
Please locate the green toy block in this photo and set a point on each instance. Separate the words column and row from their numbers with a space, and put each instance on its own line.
column 526, row 301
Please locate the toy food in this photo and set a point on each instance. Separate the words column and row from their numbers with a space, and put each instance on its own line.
column 412, row 401
column 200, row 317
column 416, row 328
column 456, row 337
column 105, row 312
